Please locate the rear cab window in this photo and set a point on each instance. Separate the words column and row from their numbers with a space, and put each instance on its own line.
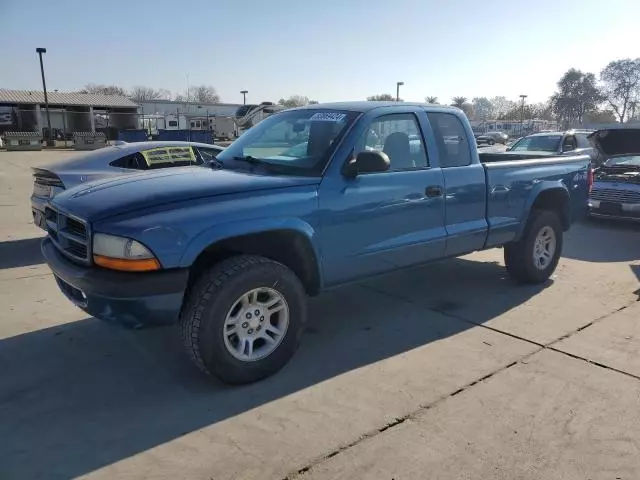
column 451, row 139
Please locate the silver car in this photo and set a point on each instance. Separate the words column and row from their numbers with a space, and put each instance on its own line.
column 491, row 138
column 122, row 159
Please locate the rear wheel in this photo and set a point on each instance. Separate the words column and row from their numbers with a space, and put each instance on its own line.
column 491, row 141
column 244, row 318
column 534, row 258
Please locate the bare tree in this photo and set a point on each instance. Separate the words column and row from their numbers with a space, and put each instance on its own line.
column 501, row 105
column 382, row 97
column 432, row 100
column 294, row 101
column 140, row 93
column 199, row 94
column 621, row 85
column 103, row 89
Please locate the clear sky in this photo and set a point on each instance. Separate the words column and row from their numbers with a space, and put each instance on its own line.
column 328, row 50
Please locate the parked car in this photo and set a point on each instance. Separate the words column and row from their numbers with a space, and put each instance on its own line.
column 233, row 252
column 491, row 138
column 120, row 159
column 616, row 191
column 572, row 142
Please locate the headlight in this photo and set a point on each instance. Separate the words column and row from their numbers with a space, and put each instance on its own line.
column 120, row 253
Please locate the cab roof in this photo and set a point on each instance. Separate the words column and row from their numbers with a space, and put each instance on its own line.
column 365, row 106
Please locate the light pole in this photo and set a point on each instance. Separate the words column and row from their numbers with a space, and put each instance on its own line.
column 40, row 51
column 244, row 96
column 398, row 84
column 522, row 113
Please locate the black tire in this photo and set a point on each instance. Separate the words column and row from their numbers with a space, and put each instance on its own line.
column 211, row 298
column 491, row 142
column 519, row 256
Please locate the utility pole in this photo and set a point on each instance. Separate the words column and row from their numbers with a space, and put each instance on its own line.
column 244, row 96
column 40, row 51
column 398, row 85
column 522, row 113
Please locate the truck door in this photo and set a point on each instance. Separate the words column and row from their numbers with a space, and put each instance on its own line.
column 464, row 182
column 380, row 222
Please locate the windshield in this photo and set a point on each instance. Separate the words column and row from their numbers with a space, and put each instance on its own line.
column 542, row 143
column 623, row 161
column 295, row 142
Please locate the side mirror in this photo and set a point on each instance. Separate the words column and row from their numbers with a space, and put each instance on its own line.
column 368, row 161
column 508, row 149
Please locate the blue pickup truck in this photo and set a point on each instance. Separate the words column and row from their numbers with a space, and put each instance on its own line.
column 232, row 251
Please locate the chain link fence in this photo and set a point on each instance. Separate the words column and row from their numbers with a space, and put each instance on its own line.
column 116, row 125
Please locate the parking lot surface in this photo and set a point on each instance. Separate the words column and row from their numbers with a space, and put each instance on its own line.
column 445, row 371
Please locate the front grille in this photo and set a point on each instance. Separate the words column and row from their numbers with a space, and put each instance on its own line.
column 76, row 228
column 615, row 195
column 76, row 249
column 70, row 235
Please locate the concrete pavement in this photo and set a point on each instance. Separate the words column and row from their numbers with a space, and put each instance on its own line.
column 446, row 371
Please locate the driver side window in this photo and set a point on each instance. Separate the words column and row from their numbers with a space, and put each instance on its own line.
column 400, row 138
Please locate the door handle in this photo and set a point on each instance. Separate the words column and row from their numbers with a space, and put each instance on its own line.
column 433, row 191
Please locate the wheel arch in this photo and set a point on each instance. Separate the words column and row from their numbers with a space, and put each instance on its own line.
column 288, row 243
column 554, row 198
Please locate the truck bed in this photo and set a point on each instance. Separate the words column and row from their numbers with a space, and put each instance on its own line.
column 514, row 180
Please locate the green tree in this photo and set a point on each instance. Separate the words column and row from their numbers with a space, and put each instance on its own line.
column 577, row 95
column 621, row 85
column 482, row 108
column 294, row 101
column 382, row 97
column 458, row 101
column 432, row 100
column 462, row 104
column 600, row 116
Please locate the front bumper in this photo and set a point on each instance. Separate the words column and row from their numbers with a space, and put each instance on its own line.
column 617, row 211
column 131, row 299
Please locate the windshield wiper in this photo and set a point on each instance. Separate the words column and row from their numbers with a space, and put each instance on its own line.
column 257, row 162
column 215, row 163
column 249, row 159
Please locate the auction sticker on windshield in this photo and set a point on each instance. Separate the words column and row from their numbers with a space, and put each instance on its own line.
column 328, row 117
column 168, row 155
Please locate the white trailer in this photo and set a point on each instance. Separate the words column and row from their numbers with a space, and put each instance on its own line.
column 173, row 122
column 224, row 128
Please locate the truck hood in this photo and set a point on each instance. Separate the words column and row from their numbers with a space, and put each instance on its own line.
column 612, row 142
column 107, row 197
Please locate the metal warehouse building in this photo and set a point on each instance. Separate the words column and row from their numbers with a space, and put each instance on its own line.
column 24, row 110
column 190, row 109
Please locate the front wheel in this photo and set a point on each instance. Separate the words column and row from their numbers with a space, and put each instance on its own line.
column 491, row 142
column 534, row 257
column 244, row 318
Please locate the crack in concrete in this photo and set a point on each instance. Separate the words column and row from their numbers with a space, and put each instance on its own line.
column 399, row 420
column 425, row 407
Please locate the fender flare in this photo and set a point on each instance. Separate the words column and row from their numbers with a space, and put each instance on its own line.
column 310, row 267
column 539, row 189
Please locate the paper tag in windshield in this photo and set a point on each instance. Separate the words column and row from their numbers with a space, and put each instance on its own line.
column 328, row 117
